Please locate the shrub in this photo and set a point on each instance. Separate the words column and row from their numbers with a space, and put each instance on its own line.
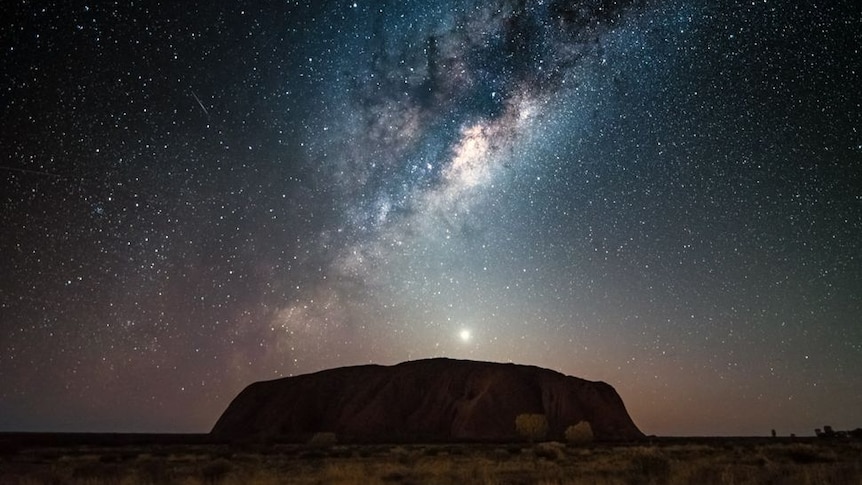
column 579, row 433
column 550, row 451
column 532, row 427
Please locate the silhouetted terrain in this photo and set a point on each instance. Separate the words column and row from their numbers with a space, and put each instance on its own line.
column 429, row 400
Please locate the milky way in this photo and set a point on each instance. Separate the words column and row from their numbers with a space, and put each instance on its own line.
column 663, row 195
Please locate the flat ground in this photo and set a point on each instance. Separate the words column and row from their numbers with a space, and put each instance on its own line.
column 190, row 460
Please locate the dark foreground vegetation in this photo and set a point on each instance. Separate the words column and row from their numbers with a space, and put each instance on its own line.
column 191, row 460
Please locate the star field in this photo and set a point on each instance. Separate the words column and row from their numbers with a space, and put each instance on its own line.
column 664, row 195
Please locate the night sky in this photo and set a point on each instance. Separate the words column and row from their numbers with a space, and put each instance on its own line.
column 663, row 195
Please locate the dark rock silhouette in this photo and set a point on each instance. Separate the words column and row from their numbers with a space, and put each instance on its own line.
column 424, row 400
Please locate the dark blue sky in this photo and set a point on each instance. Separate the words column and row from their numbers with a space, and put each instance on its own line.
column 663, row 195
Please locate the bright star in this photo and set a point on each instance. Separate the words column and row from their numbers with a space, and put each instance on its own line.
column 465, row 335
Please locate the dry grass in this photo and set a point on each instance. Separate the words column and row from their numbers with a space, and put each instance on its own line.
column 728, row 462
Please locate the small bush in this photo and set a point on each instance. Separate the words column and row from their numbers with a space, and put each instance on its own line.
column 580, row 433
column 532, row 427
column 550, row 451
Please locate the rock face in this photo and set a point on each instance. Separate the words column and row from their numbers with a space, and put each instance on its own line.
column 423, row 401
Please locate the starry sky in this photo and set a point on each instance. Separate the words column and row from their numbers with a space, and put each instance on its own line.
column 664, row 195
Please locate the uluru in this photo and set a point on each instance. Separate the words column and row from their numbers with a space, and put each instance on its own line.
column 429, row 400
